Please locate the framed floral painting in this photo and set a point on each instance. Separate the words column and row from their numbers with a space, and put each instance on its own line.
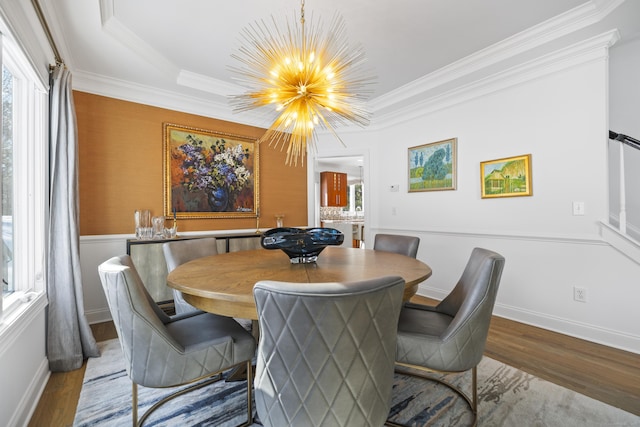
column 209, row 174
column 432, row 167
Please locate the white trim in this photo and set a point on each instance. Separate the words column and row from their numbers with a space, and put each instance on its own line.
column 585, row 51
column 98, row 316
column 588, row 332
column 593, row 333
column 552, row 29
column 30, row 175
column 148, row 95
column 478, row 233
column 22, row 25
column 526, row 41
column 208, row 84
column 104, row 238
column 29, row 401
column 120, row 32
column 623, row 243
column 559, row 26
column 15, row 323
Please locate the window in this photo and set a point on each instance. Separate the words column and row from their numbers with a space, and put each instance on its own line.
column 23, row 180
column 7, row 182
column 354, row 200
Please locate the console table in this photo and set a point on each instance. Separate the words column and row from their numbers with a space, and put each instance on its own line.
column 149, row 260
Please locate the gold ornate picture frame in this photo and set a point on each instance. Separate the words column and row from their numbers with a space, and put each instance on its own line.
column 209, row 174
column 508, row 177
column 432, row 167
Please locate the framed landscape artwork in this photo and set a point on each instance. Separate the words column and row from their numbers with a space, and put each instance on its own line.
column 209, row 174
column 432, row 167
column 508, row 177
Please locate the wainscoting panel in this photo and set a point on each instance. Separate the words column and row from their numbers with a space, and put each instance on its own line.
column 538, row 281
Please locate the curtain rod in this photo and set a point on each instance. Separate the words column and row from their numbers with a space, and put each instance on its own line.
column 47, row 31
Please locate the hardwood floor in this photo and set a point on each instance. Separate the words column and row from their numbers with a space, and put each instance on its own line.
column 603, row 373
column 57, row 405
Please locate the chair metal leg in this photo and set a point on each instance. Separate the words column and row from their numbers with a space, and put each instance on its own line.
column 134, row 403
column 249, row 389
column 215, row 378
column 472, row 402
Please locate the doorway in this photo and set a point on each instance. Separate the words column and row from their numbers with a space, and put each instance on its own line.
column 350, row 219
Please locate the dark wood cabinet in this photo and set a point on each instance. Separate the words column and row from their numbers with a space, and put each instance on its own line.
column 333, row 189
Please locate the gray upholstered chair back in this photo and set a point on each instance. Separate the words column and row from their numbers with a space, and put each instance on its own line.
column 326, row 352
column 162, row 351
column 454, row 333
column 404, row 245
column 131, row 305
column 180, row 251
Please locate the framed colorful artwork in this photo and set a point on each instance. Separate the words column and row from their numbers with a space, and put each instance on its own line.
column 508, row 177
column 432, row 167
column 209, row 174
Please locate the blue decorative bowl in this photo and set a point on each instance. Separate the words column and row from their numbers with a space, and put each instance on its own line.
column 302, row 245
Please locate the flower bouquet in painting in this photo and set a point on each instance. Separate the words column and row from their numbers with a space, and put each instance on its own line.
column 211, row 173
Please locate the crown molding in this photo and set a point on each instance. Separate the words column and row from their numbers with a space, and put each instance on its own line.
column 148, row 95
column 591, row 49
column 588, row 50
column 403, row 99
column 207, row 84
column 552, row 29
column 120, row 32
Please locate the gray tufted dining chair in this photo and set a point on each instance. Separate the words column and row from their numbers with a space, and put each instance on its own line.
column 326, row 352
column 180, row 251
column 163, row 351
column 403, row 245
column 451, row 336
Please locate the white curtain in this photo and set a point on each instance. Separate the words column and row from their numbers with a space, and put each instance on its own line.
column 69, row 337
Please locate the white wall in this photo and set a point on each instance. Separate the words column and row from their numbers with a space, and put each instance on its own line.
column 24, row 368
column 94, row 250
column 560, row 118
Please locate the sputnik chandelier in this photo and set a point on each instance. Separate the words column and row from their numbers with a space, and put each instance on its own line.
column 304, row 79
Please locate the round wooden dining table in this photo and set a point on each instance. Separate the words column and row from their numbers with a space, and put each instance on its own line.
column 223, row 283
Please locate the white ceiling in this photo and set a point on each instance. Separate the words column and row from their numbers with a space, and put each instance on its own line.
column 181, row 49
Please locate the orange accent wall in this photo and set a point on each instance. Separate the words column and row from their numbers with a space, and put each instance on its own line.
column 121, row 168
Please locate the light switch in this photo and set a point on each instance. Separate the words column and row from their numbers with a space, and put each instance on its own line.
column 578, row 208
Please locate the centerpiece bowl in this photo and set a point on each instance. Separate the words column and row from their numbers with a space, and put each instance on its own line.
column 302, row 245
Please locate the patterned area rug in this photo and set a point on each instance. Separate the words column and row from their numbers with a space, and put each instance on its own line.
column 507, row 397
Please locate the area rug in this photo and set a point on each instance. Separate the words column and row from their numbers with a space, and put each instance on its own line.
column 507, row 397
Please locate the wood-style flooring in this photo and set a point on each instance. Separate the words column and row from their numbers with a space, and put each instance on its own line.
column 603, row 373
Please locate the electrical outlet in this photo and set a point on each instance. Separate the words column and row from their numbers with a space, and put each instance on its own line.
column 579, row 294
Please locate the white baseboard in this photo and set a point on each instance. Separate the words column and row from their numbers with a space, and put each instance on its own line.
column 608, row 337
column 30, row 399
column 98, row 316
column 572, row 328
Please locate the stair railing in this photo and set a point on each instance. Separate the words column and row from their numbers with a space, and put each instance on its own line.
column 622, row 212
